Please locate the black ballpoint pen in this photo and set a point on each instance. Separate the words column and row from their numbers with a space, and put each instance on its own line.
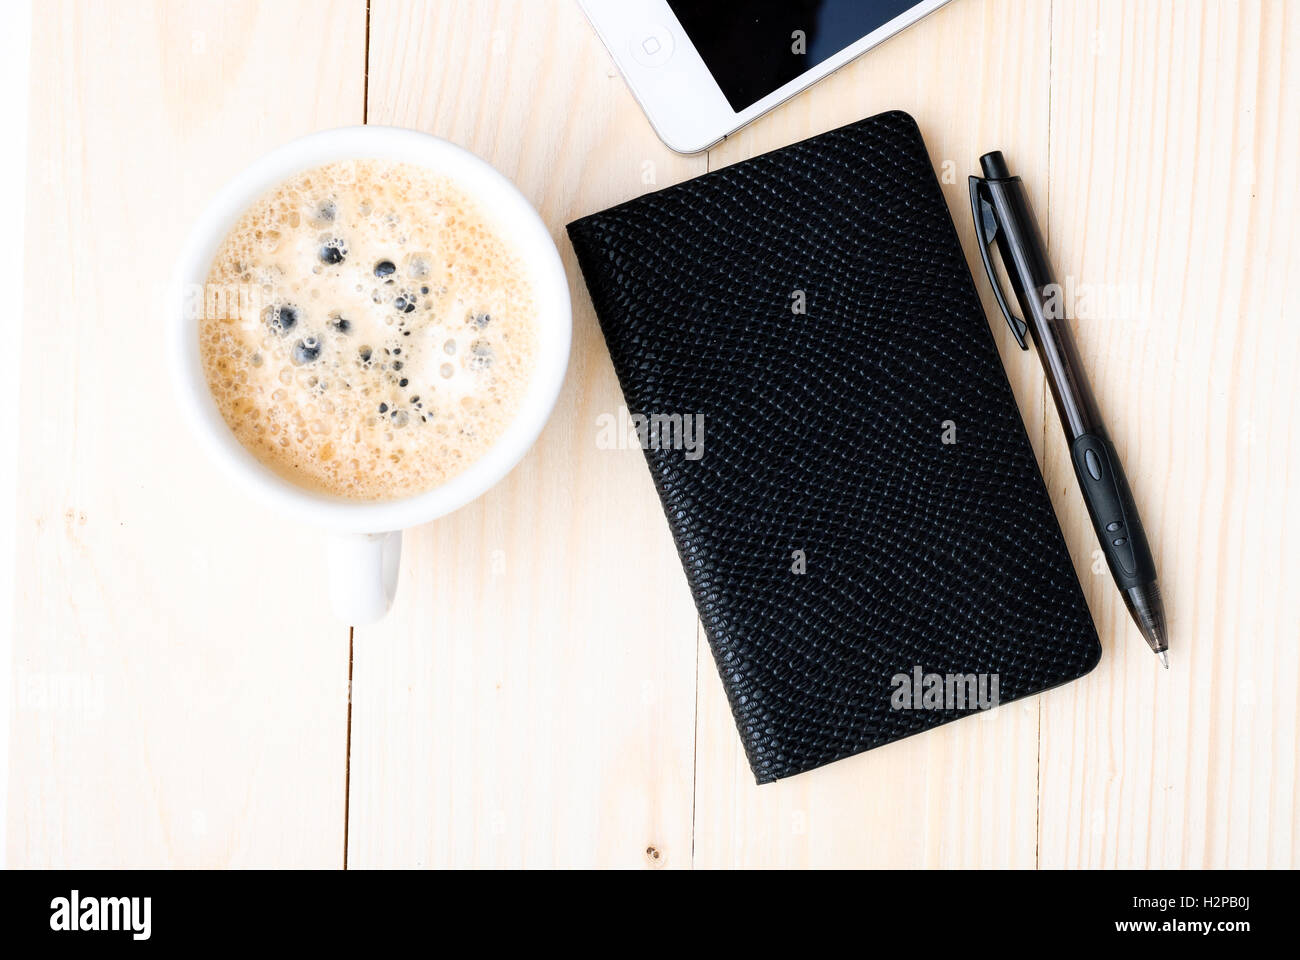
column 1003, row 217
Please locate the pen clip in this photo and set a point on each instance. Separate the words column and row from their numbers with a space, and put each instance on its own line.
column 986, row 229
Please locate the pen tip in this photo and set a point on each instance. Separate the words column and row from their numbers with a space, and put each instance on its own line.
column 1164, row 658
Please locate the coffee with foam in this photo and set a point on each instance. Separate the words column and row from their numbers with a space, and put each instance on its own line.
column 365, row 330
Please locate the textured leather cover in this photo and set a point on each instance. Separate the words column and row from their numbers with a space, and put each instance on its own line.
column 823, row 433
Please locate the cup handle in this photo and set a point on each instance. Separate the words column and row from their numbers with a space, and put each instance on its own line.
column 363, row 574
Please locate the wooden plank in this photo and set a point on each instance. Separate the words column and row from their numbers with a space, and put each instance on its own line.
column 1174, row 136
column 15, row 70
column 180, row 690
column 530, row 700
column 963, row 795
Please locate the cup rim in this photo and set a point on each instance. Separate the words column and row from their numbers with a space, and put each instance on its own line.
column 515, row 219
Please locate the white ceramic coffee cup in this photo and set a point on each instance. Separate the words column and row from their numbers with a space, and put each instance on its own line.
column 365, row 536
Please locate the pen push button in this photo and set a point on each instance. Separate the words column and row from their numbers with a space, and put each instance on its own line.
column 1093, row 464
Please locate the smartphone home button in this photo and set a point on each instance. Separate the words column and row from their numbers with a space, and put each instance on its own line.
column 652, row 46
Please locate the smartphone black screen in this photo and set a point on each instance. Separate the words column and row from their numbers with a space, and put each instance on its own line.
column 752, row 47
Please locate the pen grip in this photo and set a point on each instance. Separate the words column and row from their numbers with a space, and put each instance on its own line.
column 1114, row 516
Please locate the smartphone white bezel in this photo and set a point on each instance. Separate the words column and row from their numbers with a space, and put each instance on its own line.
column 669, row 79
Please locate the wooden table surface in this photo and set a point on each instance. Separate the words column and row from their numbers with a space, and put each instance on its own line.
column 542, row 693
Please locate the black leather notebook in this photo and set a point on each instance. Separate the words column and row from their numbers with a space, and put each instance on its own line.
column 861, row 519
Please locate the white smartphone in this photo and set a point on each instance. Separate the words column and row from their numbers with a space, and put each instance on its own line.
column 703, row 69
